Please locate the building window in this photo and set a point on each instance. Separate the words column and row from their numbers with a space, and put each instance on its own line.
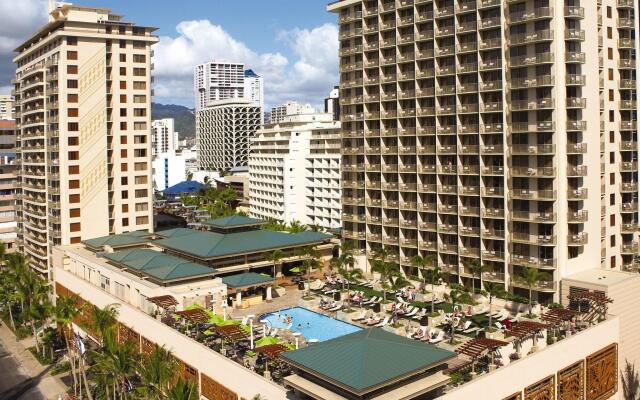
column 123, row 112
column 74, row 227
column 119, row 292
column 139, row 72
column 139, row 85
column 72, row 126
column 123, row 139
column 74, row 213
column 139, row 58
column 142, row 220
column 140, row 126
column 124, row 181
column 141, row 193
column 76, row 240
column 142, row 206
column 72, row 83
column 140, row 152
column 125, row 208
column 123, row 167
column 72, row 40
column 74, row 169
column 140, row 166
column 123, row 71
column 104, row 283
column 74, row 198
column 72, row 112
column 72, row 69
column 123, row 57
column 123, row 126
column 123, row 153
column 74, row 155
column 139, row 139
column 124, row 194
column 123, row 98
column 141, row 180
column 74, row 184
column 125, row 221
column 72, row 55
column 139, row 112
column 72, row 98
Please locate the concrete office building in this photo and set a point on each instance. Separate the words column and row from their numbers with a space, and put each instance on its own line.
column 219, row 80
column 498, row 131
column 278, row 113
column 294, row 171
column 83, row 91
column 164, row 138
column 6, row 106
column 223, row 131
column 254, row 88
column 332, row 103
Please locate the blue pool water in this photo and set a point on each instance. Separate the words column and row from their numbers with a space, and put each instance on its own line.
column 319, row 326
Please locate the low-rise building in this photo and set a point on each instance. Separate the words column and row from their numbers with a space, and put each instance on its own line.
column 168, row 169
column 278, row 113
column 294, row 171
column 6, row 106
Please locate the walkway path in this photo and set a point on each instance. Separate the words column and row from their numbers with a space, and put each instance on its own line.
column 21, row 375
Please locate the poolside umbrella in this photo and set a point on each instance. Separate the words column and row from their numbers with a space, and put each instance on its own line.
column 267, row 340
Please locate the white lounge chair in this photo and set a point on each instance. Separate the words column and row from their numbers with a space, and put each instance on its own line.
column 375, row 320
column 472, row 330
column 439, row 338
column 412, row 312
column 464, row 327
column 336, row 308
column 421, row 314
column 499, row 326
column 384, row 322
column 274, row 332
column 362, row 316
column 516, row 318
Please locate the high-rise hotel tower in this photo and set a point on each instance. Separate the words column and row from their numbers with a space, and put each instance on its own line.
column 503, row 131
column 83, row 93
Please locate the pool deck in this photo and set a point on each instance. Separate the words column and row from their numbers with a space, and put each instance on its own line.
column 290, row 299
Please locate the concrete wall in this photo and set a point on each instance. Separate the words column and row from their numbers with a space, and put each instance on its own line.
column 235, row 377
column 506, row 381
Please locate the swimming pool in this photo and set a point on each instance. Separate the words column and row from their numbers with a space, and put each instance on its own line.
column 310, row 324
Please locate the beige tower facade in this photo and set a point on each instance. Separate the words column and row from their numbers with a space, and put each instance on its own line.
column 83, row 95
column 500, row 131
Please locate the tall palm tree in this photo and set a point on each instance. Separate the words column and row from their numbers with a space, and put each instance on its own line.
column 104, row 319
column 630, row 382
column 297, row 227
column 275, row 257
column 493, row 290
column 34, row 290
column 387, row 271
column 530, row 277
column 65, row 311
column 433, row 277
column 476, row 269
column 457, row 295
column 156, row 371
column 116, row 361
column 308, row 265
column 183, row 390
column 422, row 263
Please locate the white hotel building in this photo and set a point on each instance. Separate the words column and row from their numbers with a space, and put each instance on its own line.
column 294, row 170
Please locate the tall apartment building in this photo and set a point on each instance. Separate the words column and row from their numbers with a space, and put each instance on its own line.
column 254, row 88
column 332, row 103
column 294, row 171
column 8, row 185
column 279, row 113
column 223, row 131
column 164, row 138
column 219, row 80
column 83, row 91
column 6, row 106
column 500, row 131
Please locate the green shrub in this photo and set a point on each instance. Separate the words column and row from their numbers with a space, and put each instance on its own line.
column 555, row 305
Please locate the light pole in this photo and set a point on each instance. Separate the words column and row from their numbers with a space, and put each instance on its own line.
column 251, row 317
column 297, row 336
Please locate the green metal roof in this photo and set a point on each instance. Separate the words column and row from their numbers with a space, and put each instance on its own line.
column 246, row 279
column 122, row 239
column 157, row 265
column 213, row 244
column 367, row 359
column 234, row 221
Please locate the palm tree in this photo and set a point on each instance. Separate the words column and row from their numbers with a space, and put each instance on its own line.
column 104, row 319
column 156, row 371
column 116, row 361
column 297, row 227
column 183, row 390
column 207, row 180
column 433, row 277
column 422, row 263
column 630, row 382
column 493, row 290
column 306, row 267
column 457, row 295
column 34, row 290
column 65, row 311
column 387, row 271
column 350, row 275
column 531, row 276
column 189, row 175
column 476, row 269
column 275, row 257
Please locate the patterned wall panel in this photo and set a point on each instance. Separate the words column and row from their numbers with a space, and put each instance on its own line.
column 543, row 390
column 128, row 335
column 147, row 346
column 602, row 373
column 212, row 390
column 571, row 382
column 515, row 396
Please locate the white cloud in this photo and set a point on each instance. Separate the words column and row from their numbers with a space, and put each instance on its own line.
column 309, row 78
column 18, row 20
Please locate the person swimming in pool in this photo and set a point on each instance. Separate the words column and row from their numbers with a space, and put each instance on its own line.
column 299, row 327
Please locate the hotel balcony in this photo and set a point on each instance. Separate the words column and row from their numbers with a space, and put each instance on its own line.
column 541, row 286
column 537, row 14
column 629, row 248
column 543, row 172
column 630, row 207
column 579, row 239
column 580, row 217
column 527, row 194
column 576, row 170
column 577, row 194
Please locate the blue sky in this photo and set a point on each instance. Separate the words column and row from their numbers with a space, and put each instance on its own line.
column 292, row 43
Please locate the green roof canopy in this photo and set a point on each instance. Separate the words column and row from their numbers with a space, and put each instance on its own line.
column 367, row 360
column 246, row 279
column 234, row 221
column 209, row 245
column 158, row 266
column 120, row 240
